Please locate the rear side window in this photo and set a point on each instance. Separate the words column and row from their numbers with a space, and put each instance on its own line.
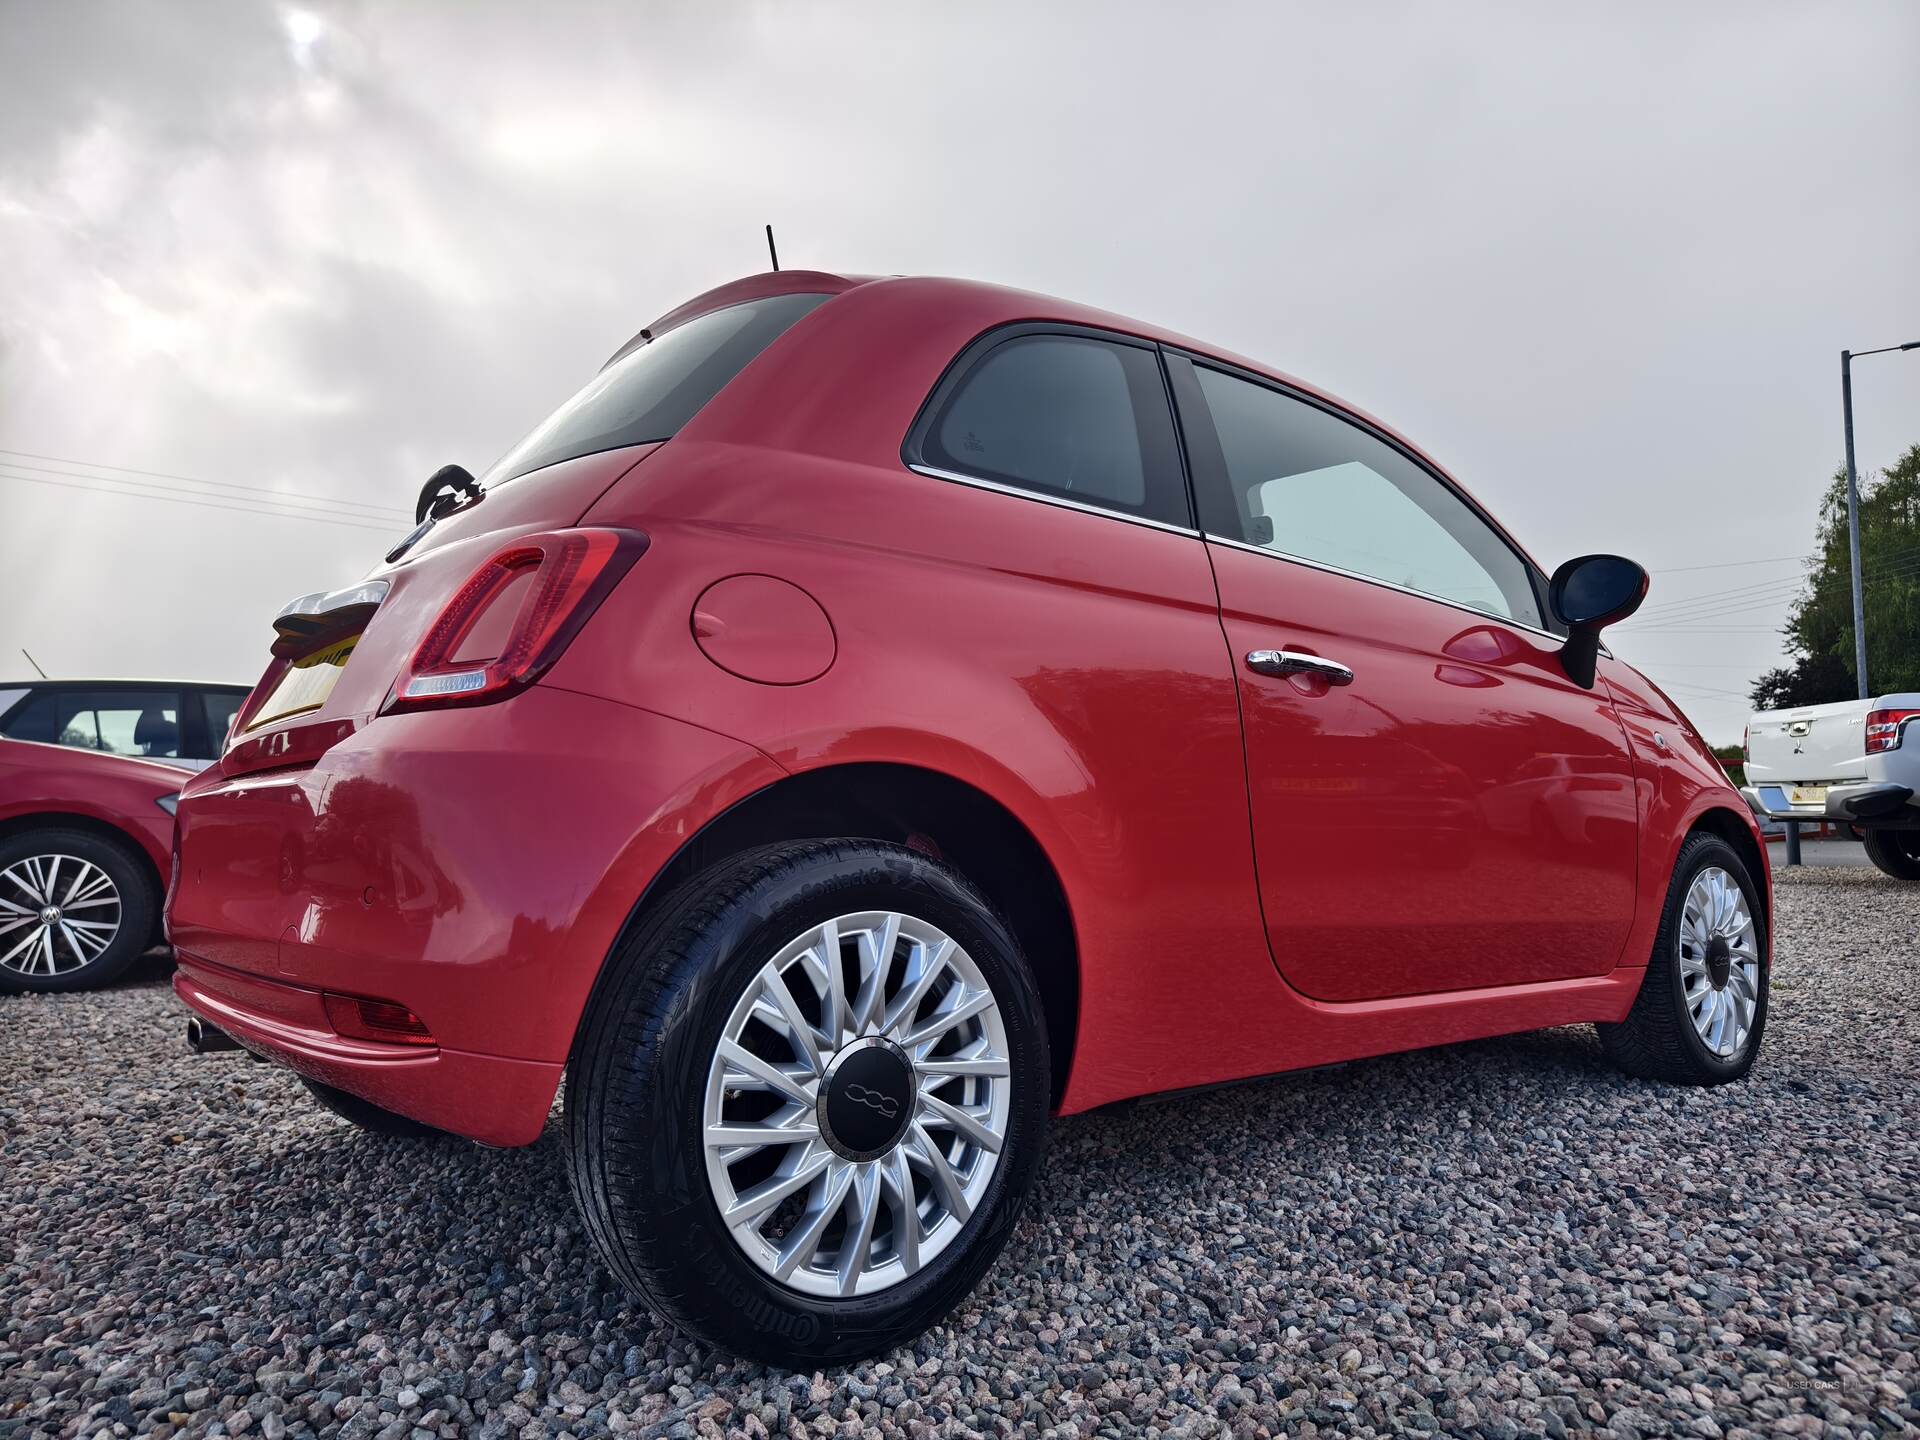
column 1065, row 416
column 650, row 392
column 119, row 722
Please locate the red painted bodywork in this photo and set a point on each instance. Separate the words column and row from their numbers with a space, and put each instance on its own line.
column 1260, row 874
column 48, row 784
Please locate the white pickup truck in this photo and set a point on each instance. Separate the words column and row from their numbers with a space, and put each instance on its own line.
column 1856, row 763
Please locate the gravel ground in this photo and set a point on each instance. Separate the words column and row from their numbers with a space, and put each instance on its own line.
column 1498, row 1239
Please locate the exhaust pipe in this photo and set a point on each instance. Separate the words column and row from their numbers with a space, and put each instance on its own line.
column 205, row 1039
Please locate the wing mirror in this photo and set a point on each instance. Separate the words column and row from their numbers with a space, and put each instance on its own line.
column 1588, row 594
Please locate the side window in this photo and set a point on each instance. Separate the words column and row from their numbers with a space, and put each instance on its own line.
column 120, row 722
column 32, row 721
column 1303, row 482
column 222, row 706
column 1064, row 416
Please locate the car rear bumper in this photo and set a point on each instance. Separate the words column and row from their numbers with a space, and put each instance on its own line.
column 1864, row 802
column 474, row 866
column 484, row 1097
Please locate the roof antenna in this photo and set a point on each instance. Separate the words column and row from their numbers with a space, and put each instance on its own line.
column 772, row 253
column 33, row 662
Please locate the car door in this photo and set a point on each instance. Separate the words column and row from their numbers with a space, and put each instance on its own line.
column 1435, row 806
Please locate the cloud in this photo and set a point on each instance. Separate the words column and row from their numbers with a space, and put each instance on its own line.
column 1600, row 264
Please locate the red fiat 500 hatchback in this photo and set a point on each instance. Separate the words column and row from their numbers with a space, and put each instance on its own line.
column 875, row 715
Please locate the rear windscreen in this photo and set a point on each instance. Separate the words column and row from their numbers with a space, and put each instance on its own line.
column 649, row 393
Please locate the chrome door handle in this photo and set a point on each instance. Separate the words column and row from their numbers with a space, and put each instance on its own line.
column 1292, row 662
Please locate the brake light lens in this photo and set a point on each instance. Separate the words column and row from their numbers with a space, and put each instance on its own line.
column 1746, row 749
column 513, row 617
column 1885, row 728
column 358, row 1018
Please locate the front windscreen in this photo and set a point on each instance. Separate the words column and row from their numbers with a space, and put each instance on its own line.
column 650, row 392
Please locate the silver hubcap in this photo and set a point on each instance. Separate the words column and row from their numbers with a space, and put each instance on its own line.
column 58, row 913
column 1719, row 961
column 857, row 1104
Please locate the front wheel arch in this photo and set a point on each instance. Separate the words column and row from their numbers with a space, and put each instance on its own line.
column 1737, row 831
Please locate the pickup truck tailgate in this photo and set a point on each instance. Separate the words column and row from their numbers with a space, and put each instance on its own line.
column 1810, row 745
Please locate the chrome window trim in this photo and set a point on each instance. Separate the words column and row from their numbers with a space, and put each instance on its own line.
column 933, row 472
column 1321, row 566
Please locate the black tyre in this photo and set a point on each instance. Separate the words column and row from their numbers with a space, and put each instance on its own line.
column 1897, row 852
column 1702, row 1007
column 364, row 1113
column 872, row 1136
column 76, row 909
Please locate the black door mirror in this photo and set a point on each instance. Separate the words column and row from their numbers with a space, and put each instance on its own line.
column 1586, row 595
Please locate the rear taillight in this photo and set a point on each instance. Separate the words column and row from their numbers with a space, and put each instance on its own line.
column 514, row 616
column 1885, row 728
column 1746, row 750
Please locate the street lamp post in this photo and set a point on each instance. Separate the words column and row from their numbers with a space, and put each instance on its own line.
column 1847, row 358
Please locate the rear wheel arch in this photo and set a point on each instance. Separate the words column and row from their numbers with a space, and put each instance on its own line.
column 925, row 810
column 87, row 824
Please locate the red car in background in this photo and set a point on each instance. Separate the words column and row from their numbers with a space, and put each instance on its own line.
column 874, row 715
column 85, row 841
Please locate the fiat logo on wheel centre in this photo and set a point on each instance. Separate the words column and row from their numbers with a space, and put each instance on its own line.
column 874, row 1100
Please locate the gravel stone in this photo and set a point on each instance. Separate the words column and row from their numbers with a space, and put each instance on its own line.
column 1500, row 1239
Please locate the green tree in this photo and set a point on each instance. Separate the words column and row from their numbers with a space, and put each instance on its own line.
column 1819, row 627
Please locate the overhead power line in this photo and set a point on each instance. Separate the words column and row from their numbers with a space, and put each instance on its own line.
column 1902, row 565
column 1727, row 565
column 82, row 469
column 174, row 497
column 1757, row 595
column 1756, row 604
column 1765, row 586
column 1702, row 595
column 291, row 503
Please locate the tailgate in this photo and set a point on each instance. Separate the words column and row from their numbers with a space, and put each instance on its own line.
column 1808, row 746
column 338, row 653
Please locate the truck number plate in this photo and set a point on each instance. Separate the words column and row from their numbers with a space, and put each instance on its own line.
column 1806, row 795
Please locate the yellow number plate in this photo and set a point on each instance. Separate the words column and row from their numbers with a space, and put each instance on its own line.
column 306, row 685
column 1806, row 795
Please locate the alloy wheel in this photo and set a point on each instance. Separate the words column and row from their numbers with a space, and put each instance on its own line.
column 1719, row 962
column 857, row 1104
column 58, row 914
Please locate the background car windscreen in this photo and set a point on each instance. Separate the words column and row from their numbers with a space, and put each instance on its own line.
column 649, row 393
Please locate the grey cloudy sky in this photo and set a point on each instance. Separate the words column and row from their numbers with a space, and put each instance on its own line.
column 1600, row 262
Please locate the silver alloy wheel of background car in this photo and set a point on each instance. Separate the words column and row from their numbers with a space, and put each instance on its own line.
column 1719, row 961
column 58, row 914
column 857, row 1104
